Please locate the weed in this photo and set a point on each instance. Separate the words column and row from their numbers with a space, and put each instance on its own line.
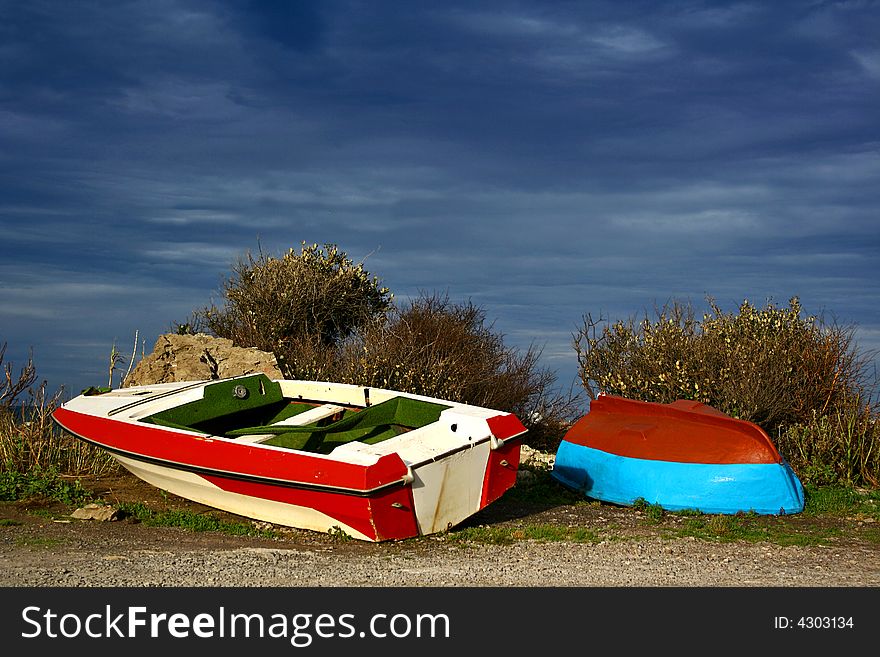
column 338, row 533
column 654, row 512
column 30, row 440
column 39, row 483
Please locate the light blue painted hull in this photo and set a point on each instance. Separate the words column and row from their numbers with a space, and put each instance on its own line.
column 764, row 488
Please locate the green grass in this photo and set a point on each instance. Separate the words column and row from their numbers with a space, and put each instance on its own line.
column 726, row 529
column 49, row 485
column 39, row 483
column 835, row 504
column 504, row 535
column 830, row 512
column 189, row 520
column 840, row 500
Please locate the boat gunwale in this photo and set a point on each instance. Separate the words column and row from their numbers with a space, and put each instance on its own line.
column 241, row 476
column 404, row 480
column 159, row 395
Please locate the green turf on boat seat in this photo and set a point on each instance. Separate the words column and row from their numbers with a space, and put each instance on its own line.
column 371, row 425
column 247, row 395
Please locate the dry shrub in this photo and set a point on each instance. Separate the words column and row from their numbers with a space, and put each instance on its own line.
column 441, row 349
column 275, row 303
column 12, row 386
column 29, row 439
column 31, row 442
column 307, row 358
column 790, row 374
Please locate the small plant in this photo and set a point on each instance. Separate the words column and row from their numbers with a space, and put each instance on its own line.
column 38, row 483
column 842, row 446
column 654, row 512
column 338, row 533
column 721, row 525
column 116, row 358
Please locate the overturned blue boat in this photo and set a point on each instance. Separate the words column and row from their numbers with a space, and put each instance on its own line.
column 680, row 456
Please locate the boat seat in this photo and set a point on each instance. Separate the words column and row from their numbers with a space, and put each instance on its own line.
column 306, row 417
column 312, row 415
column 372, row 424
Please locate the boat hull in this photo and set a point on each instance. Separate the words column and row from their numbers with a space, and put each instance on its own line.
column 680, row 456
column 726, row 488
column 424, row 481
column 372, row 518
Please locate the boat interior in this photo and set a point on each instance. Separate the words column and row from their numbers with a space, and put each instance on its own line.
column 253, row 409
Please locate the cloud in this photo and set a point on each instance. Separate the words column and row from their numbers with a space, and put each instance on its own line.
column 544, row 159
column 869, row 60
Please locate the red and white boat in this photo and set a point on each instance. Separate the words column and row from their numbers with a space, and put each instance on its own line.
column 375, row 464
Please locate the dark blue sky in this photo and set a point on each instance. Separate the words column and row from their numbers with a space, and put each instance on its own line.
column 542, row 159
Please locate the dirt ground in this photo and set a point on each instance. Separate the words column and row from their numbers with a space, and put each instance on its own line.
column 40, row 545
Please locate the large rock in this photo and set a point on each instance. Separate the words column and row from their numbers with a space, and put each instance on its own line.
column 199, row 357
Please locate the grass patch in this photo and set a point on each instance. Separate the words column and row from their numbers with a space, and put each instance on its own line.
column 754, row 529
column 839, row 506
column 40, row 483
column 9, row 522
column 189, row 520
column 501, row 535
column 38, row 541
column 841, row 501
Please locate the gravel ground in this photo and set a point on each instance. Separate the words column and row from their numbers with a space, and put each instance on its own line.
column 618, row 563
column 41, row 545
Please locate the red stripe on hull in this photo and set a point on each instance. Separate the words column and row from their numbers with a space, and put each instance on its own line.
column 375, row 516
column 222, row 456
column 684, row 432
